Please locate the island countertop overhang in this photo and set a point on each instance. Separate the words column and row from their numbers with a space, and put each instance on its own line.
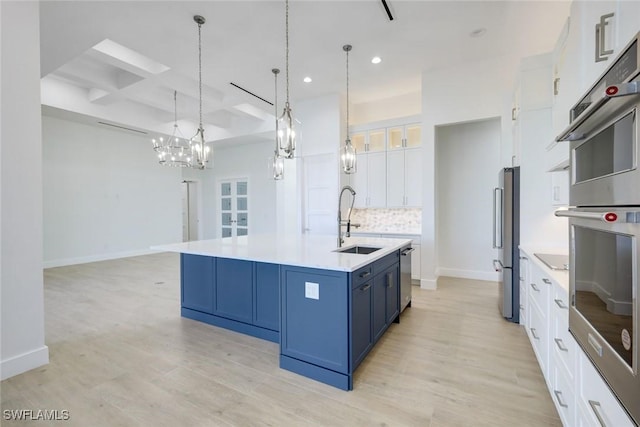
column 309, row 251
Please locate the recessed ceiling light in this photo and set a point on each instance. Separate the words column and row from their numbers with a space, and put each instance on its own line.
column 307, row 79
column 376, row 60
column 478, row 32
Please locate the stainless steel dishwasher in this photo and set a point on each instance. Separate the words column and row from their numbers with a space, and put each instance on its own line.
column 405, row 277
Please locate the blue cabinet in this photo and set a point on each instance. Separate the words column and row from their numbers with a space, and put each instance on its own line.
column 267, row 296
column 392, row 293
column 197, row 291
column 234, row 294
column 379, row 306
column 234, row 289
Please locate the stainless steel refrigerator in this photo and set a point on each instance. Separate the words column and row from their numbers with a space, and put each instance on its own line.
column 506, row 238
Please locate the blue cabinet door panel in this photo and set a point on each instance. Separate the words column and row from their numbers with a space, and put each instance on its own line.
column 361, row 332
column 197, row 286
column 234, row 289
column 315, row 330
column 379, row 306
column 267, row 296
column 393, row 293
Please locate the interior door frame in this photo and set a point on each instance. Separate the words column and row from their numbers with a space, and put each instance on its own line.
column 232, row 179
column 199, row 203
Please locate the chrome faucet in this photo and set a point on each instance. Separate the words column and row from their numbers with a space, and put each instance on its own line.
column 348, row 221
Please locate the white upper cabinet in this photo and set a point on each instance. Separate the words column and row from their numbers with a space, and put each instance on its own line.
column 389, row 165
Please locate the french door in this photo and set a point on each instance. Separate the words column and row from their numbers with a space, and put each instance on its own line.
column 233, row 207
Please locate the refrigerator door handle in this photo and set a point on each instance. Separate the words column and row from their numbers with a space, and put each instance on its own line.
column 497, row 218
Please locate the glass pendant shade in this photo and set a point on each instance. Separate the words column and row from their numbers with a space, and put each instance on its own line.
column 277, row 167
column 200, row 150
column 348, row 158
column 286, row 134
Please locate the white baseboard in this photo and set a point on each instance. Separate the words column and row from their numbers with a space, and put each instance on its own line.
column 491, row 276
column 24, row 362
column 429, row 284
column 94, row 258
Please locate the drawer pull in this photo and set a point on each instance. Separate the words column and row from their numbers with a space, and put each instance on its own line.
column 547, row 281
column 595, row 406
column 560, row 303
column 365, row 274
column 558, row 394
column 533, row 332
column 365, row 287
column 560, row 344
column 535, row 288
column 524, row 257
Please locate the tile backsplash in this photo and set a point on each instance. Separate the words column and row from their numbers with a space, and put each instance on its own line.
column 400, row 220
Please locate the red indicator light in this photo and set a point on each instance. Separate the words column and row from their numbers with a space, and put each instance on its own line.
column 610, row 217
column 612, row 90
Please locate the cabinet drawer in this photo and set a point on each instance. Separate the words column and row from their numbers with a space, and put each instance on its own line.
column 596, row 401
column 563, row 394
column 380, row 265
column 562, row 342
column 538, row 335
column 361, row 275
column 539, row 291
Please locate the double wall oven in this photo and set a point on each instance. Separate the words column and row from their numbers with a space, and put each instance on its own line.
column 604, row 222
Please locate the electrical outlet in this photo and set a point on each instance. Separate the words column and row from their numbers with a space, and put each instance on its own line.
column 311, row 290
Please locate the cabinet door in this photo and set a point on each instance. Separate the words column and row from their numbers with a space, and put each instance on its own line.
column 359, row 181
column 197, row 273
column 315, row 325
column 376, row 179
column 591, row 14
column 379, row 306
column 413, row 177
column 413, row 136
column 359, row 141
column 361, row 332
column 392, row 282
column 377, row 140
column 395, row 137
column 234, row 289
column 395, row 179
column 267, row 296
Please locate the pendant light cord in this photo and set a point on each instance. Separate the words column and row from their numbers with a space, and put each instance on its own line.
column 287, row 44
column 347, row 95
column 175, row 108
column 200, row 68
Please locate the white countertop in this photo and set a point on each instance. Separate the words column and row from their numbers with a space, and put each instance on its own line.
column 298, row 250
column 560, row 276
column 414, row 232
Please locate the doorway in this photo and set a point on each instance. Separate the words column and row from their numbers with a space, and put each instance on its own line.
column 467, row 165
column 190, row 211
column 233, row 207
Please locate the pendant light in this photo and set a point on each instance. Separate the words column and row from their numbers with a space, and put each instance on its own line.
column 348, row 152
column 176, row 150
column 200, row 150
column 277, row 165
column 285, row 130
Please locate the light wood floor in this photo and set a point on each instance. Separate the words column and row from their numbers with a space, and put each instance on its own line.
column 121, row 355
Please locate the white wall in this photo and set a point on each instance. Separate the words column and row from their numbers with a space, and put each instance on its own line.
column 21, row 287
column 467, row 165
column 206, row 180
column 404, row 105
column 457, row 94
column 105, row 194
column 250, row 161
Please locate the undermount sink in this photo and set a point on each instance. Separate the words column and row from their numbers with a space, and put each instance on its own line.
column 364, row 250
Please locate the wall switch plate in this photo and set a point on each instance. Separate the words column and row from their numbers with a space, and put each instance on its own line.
column 311, row 290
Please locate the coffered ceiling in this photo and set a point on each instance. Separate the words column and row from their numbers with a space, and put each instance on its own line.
column 119, row 62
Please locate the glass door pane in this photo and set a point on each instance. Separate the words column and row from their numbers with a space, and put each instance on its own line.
column 414, row 136
column 234, row 208
column 395, row 138
column 358, row 141
column 377, row 140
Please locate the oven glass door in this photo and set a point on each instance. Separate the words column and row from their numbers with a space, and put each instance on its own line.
column 608, row 152
column 604, row 285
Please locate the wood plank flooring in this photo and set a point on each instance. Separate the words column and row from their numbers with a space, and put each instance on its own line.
column 121, row 355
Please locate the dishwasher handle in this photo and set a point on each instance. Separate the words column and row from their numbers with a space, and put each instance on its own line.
column 407, row 251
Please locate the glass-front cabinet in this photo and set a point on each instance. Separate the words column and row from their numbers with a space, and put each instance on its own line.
column 407, row 136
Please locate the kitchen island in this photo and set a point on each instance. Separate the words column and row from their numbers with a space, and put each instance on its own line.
column 326, row 309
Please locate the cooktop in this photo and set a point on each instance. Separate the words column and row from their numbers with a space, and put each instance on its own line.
column 554, row 262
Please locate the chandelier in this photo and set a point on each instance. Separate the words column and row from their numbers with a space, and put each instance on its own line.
column 175, row 150
column 348, row 152
column 277, row 162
